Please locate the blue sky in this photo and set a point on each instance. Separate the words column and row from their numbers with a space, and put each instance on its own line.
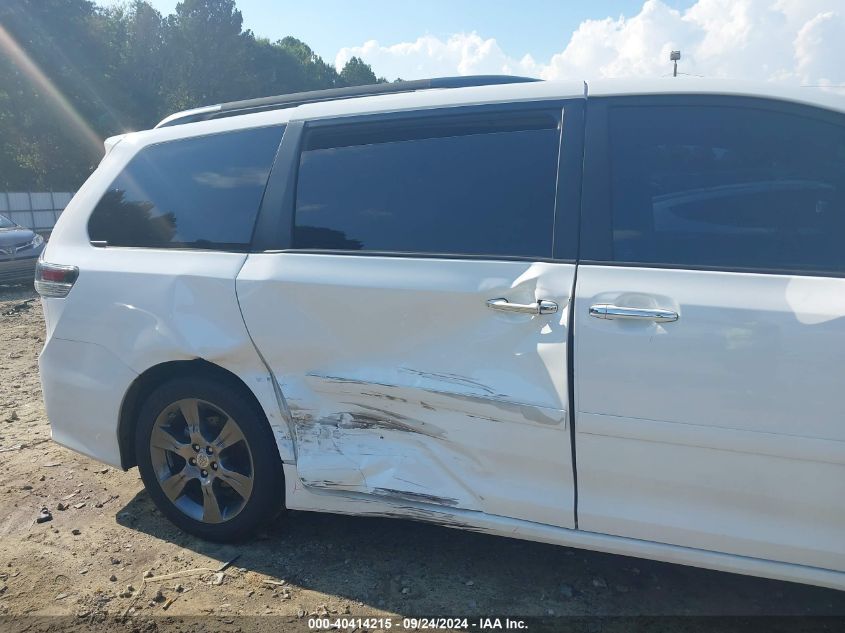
column 537, row 27
column 797, row 41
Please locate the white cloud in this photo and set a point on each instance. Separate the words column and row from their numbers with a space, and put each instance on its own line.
column 816, row 59
column 428, row 56
column 802, row 41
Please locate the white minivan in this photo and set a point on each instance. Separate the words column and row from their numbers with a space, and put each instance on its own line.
column 606, row 315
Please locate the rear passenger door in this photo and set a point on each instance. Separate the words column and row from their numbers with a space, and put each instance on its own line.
column 710, row 327
column 408, row 300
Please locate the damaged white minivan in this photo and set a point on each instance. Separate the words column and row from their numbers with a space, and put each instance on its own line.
column 609, row 316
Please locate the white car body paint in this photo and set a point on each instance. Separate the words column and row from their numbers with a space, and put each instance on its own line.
column 735, row 441
column 401, row 382
column 310, row 499
column 341, row 353
column 182, row 309
column 134, row 309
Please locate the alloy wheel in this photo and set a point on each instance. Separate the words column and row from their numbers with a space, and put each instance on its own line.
column 202, row 460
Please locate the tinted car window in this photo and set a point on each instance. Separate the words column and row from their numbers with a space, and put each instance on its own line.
column 730, row 187
column 200, row 192
column 469, row 186
column 6, row 223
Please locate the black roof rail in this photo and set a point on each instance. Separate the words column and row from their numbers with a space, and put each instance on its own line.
column 234, row 108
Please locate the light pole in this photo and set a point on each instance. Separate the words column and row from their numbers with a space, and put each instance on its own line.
column 674, row 56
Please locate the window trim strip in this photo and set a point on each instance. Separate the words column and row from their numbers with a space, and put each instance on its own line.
column 784, row 272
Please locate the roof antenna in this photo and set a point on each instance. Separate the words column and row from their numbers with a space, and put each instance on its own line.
column 674, row 56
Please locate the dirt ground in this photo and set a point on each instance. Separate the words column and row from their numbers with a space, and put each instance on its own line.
column 108, row 553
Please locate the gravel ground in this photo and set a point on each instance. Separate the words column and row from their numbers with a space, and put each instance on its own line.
column 107, row 552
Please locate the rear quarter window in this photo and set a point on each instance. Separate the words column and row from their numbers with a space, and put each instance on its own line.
column 199, row 192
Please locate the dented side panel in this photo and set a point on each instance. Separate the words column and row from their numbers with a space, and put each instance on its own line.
column 155, row 306
column 402, row 384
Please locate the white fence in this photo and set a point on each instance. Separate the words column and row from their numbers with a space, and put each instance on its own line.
column 36, row 210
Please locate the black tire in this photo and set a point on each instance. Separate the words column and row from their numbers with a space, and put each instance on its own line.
column 266, row 494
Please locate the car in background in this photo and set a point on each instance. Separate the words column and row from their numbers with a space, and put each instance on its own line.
column 20, row 248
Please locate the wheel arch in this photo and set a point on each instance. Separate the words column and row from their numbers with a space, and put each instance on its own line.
column 156, row 376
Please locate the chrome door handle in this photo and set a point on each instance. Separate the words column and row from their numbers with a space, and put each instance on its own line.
column 540, row 307
column 610, row 311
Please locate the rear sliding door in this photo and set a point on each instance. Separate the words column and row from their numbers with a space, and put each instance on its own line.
column 413, row 310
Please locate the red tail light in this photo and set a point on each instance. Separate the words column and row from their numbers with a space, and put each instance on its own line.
column 54, row 280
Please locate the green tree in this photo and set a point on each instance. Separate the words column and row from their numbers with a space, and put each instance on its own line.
column 357, row 73
column 205, row 54
column 143, row 46
column 48, row 98
column 75, row 73
column 317, row 73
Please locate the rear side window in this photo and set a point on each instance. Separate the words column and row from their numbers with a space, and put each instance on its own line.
column 732, row 187
column 201, row 192
column 443, row 185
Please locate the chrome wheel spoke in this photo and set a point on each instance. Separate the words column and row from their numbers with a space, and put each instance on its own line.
column 210, row 507
column 174, row 485
column 239, row 483
column 230, row 435
column 163, row 440
column 191, row 412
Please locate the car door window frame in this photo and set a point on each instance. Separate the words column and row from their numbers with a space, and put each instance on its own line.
column 596, row 230
column 274, row 228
